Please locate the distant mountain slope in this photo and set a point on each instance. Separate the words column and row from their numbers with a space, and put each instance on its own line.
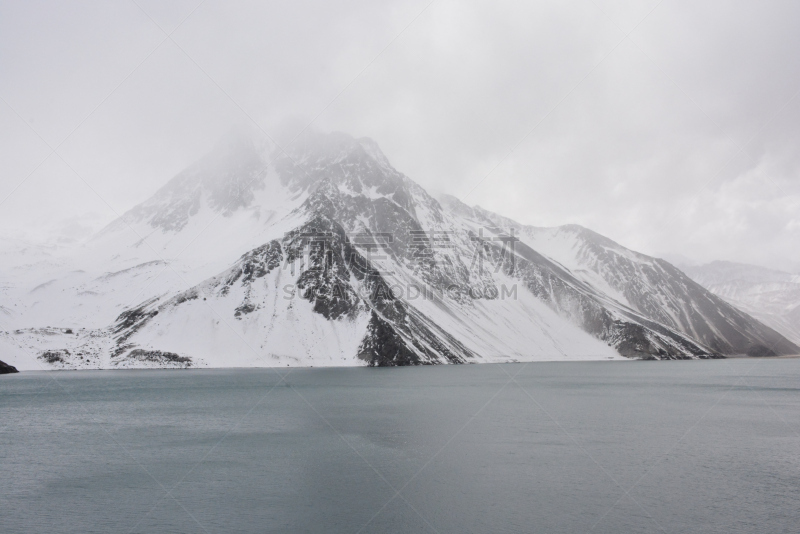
column 327, row 255
column 650, row 286
column 771, row 296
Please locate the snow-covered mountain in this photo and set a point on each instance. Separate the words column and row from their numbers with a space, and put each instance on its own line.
column 650, row 286
column 327, row 255
column 771, row 296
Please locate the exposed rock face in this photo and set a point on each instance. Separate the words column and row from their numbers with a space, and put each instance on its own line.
column 6, row 369
column 159, row 357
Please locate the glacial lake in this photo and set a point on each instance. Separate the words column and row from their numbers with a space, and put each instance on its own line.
column 606, row 447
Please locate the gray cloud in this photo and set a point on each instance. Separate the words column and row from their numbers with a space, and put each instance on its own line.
column 682, row 137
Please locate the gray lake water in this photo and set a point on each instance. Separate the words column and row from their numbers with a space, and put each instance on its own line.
column 700, row 446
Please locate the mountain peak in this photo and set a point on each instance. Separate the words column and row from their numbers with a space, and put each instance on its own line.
column 226, row 179
column 330, row 145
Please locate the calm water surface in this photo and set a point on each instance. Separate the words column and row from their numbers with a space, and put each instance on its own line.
column 606, row 447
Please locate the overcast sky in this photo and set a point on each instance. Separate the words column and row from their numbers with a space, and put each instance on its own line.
column 671, row 127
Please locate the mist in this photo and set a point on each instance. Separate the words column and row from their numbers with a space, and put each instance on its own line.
column 671, row 127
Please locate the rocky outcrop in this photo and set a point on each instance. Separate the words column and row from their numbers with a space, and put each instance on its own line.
column 6, row 369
